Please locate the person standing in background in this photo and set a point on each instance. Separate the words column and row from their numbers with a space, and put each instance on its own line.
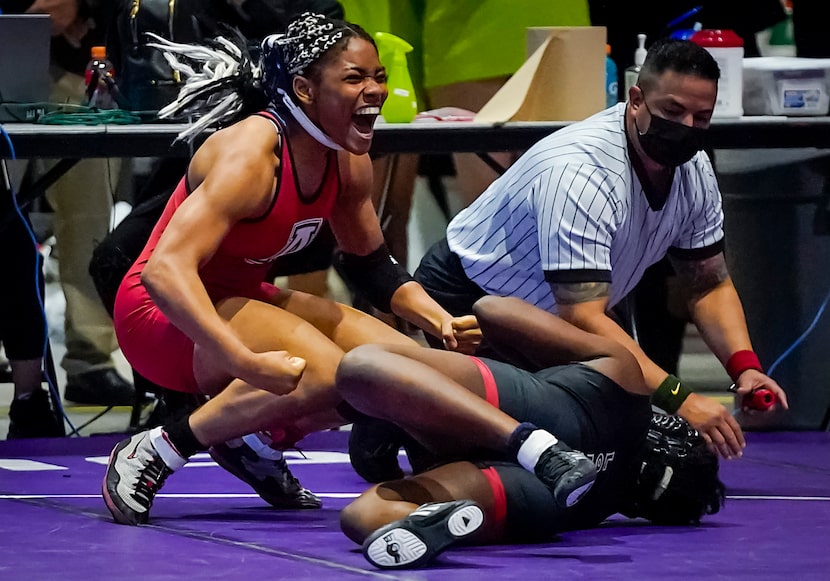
column 82, row 201
column 456, row 63
column 470, row 49
column 23, row 325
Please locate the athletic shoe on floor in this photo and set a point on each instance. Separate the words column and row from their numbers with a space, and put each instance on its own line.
column 568, row 473
column 34, row 418
column 135, row 474
column 373, row 449
column 271, row 479
column 104, row 387
column 417, row 539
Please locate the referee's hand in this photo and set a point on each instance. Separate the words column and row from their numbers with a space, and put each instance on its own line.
column 718, row 427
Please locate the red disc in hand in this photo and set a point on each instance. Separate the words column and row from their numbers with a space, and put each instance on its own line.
column 760, row 399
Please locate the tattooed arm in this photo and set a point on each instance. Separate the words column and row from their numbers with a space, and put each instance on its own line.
column 717, row 312
column 585, row 305
column 714, row 305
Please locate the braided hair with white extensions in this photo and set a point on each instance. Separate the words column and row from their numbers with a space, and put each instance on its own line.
column 226, row 78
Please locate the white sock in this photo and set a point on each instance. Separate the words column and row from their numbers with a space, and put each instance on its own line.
column 165, row 449
column 262, row 449
column 537, row 442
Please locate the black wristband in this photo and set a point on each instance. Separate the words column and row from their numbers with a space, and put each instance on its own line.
column 670, row 395
column 376, row 276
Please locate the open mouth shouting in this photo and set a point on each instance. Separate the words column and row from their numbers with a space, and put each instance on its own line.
column 364, row 120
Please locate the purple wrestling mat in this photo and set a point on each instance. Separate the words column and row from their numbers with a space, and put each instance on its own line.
column 206, row 524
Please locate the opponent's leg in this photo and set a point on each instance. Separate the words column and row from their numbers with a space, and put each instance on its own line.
column 428, row 393
column 406, row 523
column 441, row 399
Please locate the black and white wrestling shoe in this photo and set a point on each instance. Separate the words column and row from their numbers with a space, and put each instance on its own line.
column 421, row 536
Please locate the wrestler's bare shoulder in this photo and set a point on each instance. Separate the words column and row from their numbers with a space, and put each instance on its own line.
column 250, row 136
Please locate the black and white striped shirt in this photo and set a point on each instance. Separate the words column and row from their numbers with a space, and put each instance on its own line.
column 573, row 202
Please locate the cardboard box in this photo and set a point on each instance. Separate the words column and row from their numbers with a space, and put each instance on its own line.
column 783, row 85
column 563, row 79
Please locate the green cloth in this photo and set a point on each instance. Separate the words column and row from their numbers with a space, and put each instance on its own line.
column 404, row 21
column 463, row 40
column 468, row 40
column 372, row 15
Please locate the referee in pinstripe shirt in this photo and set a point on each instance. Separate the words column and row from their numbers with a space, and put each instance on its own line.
column 574, row 223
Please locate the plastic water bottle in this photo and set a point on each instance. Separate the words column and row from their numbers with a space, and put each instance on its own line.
column 99, row 78
column 611, row 81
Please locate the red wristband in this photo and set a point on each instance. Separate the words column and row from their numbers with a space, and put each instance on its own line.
column 741, row 361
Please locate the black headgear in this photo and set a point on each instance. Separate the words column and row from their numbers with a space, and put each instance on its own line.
column 678, row 481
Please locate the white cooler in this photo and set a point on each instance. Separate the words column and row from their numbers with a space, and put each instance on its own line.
column 783, row 85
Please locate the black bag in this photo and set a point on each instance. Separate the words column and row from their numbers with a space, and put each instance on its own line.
column 145, row 80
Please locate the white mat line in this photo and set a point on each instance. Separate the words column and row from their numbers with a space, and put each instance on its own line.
column 336, row 495
column 761, row 497
column 169, row 495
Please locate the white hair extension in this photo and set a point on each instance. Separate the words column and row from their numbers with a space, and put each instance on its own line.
column 209, row 93
column 227, row 107
column 177, row 65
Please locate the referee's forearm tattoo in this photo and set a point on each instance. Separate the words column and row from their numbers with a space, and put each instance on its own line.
column 701, row 276
column 580, row 292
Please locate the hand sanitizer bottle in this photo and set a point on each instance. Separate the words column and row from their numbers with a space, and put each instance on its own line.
column 632, row 72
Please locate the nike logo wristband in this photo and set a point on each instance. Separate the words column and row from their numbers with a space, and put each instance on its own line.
column 670, row 395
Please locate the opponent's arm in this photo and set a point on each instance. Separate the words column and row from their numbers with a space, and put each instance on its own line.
column 585, row 305
column 535, row 339
column 369, row 266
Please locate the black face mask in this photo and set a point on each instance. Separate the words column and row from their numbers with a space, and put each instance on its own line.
column 670, row 143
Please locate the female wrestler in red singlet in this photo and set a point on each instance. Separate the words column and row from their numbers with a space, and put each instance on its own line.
column 194, row 315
